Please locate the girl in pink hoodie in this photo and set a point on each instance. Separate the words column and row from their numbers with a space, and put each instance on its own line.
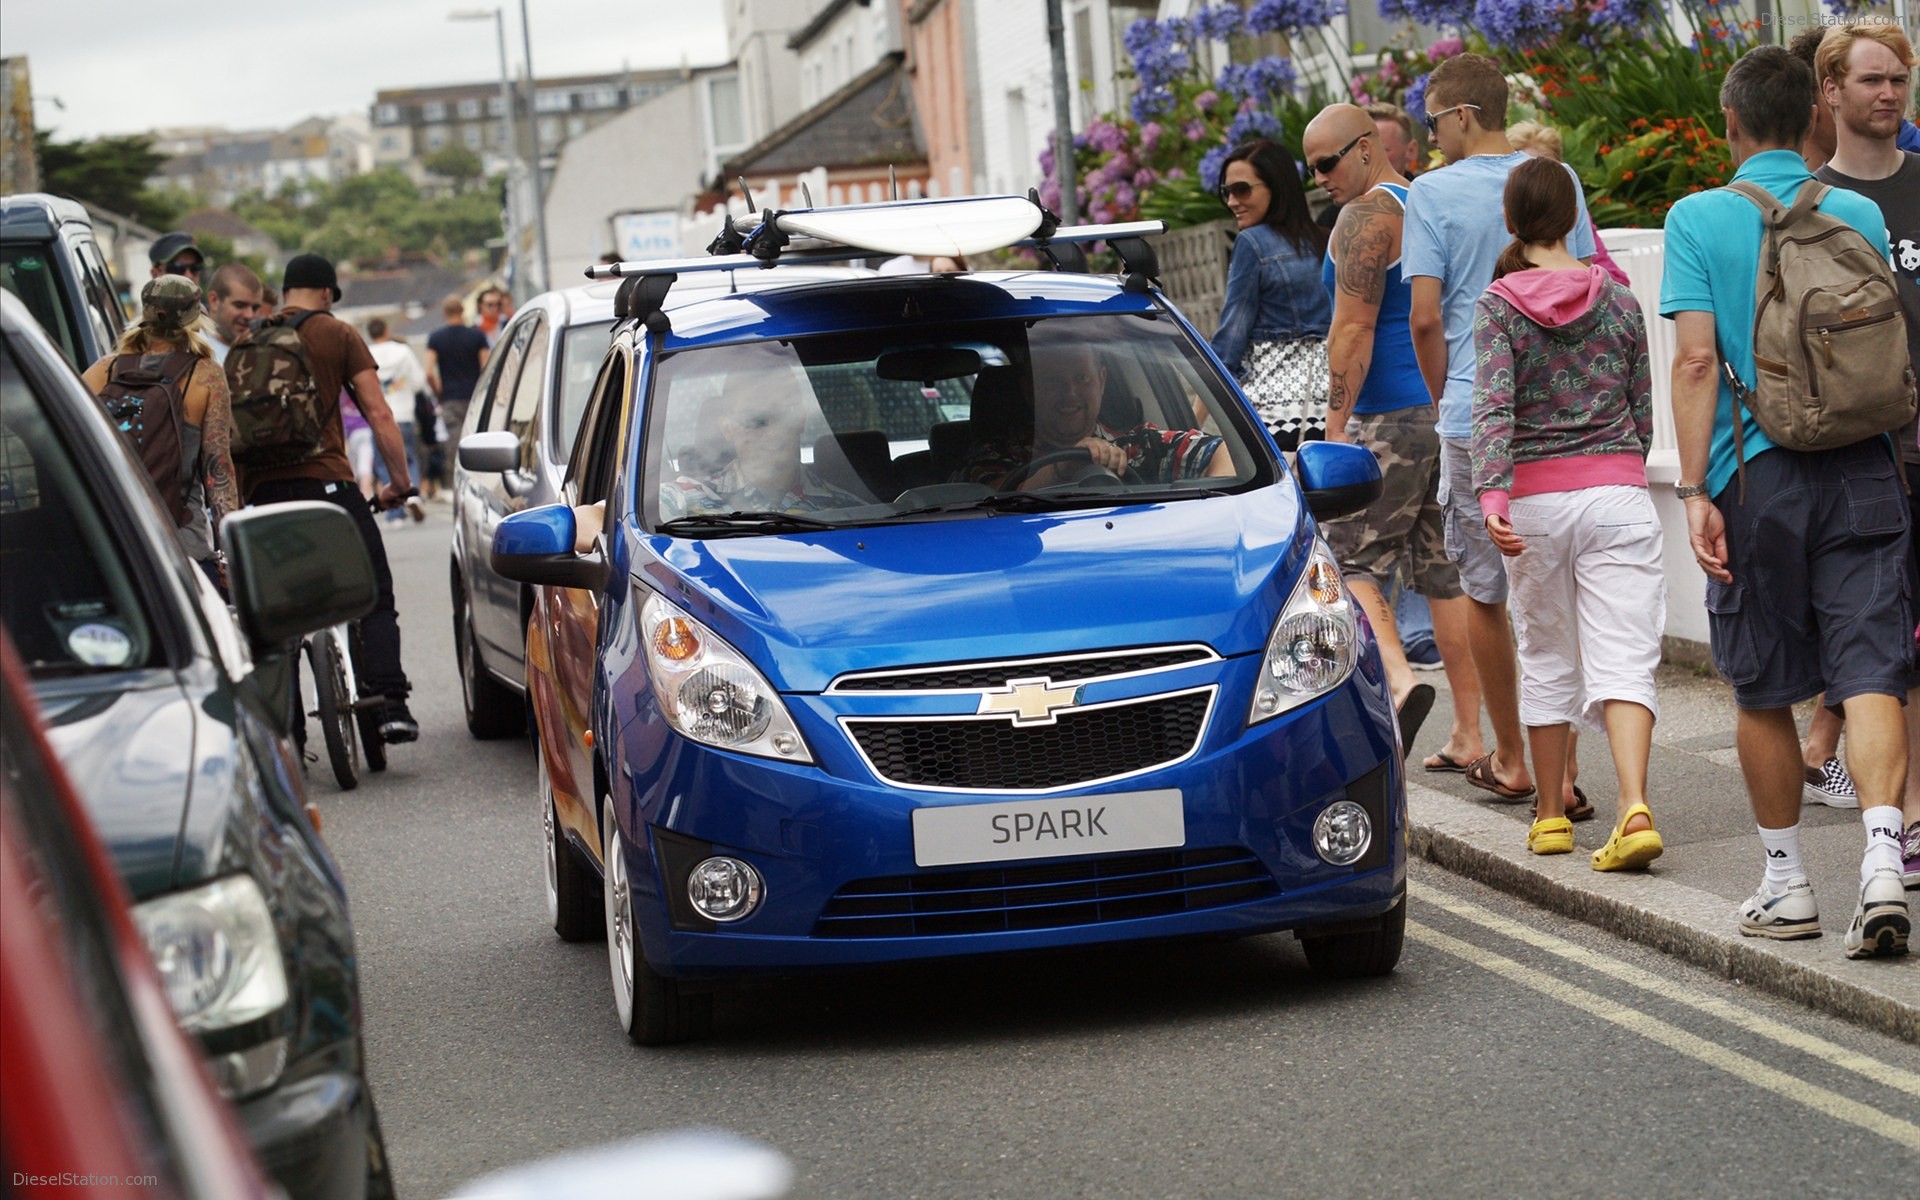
column 1563, row 420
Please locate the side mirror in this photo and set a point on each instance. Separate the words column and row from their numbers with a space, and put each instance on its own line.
column 491, row 452
column 536, row 546
column 295, row 568
column 1337, row 478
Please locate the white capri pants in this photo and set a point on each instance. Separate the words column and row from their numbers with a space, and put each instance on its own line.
column 1589, row 603
column 360, row 452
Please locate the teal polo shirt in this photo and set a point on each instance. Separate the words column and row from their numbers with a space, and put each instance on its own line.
column 1712, row 258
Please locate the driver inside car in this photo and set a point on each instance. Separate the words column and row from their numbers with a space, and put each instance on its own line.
column 759, row 421
column 1069, row 383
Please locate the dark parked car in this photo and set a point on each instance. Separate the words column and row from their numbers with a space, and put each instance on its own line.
column 49, row 258
column 95, row 1077
column 171, row 723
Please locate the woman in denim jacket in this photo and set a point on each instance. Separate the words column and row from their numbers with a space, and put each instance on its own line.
column 1273, row 285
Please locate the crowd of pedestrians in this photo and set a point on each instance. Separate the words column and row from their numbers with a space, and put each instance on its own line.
column 1481, row 342
column 370, row 420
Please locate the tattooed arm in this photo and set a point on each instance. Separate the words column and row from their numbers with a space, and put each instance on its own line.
column 216, row 435
column 1366, row 241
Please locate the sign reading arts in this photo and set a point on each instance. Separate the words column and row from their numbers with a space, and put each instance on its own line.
column 643, row 235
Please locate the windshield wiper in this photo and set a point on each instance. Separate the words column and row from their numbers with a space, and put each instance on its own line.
column 1047, row 501
column 743, row 522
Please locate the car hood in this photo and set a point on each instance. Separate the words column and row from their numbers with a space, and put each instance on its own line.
column 127, row 742
column 809, row 607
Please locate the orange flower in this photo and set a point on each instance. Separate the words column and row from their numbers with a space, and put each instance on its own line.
column 1626, row 175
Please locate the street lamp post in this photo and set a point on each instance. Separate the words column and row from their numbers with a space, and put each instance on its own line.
column 506, row 96
column 533, row 142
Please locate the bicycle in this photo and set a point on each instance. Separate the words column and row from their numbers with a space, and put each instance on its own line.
column 349, row 721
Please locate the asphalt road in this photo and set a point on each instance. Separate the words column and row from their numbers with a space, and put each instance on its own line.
column 1512, row 1053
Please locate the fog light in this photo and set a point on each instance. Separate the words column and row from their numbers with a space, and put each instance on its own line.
column 723, row 889
column 1342, row 832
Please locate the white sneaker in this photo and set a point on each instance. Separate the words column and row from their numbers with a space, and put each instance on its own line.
column 1787, row 915
column 1830, row 785
column 1880, row 922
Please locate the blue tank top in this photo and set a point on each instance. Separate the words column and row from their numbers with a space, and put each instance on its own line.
column 1393, row 380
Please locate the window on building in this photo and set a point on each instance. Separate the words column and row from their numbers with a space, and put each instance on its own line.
column 433, row 110
column 601, row 97
column 469, row 109
column 389, row 143
column 386, row 114
column 1083, row 48
column 555, row 101
column 1020, row 161
column 436, row 138
column 728, row 120
column 495, row 107
column 471, row 135
column 550, row 128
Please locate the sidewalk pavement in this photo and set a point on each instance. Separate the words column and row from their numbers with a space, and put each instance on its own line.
column 1686, row 903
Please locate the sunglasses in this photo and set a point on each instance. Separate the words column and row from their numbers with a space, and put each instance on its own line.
column 1240, row 189
column 1433, row 118
column 183, row 268
column 1325, row 166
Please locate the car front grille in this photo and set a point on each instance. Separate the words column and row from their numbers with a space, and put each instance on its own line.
column 1062, row 669
column 1047, row 896
column 1080, row 746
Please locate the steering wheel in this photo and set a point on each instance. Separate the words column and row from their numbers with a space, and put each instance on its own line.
column 1041, row 462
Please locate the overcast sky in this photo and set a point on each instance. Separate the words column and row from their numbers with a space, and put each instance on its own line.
column 124, row 67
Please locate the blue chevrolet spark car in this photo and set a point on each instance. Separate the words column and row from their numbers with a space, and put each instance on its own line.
column 924, row 616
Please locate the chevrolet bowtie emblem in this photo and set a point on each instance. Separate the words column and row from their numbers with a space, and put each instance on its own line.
column 1031, row 701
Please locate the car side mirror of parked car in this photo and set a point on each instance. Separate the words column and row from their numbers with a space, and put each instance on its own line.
column 295, row 568
column 1337, row 478
column 492, row 453
column 537, row 546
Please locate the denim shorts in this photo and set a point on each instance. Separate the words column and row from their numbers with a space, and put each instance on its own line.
column 1821, row 598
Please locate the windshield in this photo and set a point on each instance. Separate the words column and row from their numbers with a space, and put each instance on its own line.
column 898, row 424
column 27, row 270
column 580, row 356
column 64, row 589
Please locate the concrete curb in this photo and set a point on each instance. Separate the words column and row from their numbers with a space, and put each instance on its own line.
column 1686, row 922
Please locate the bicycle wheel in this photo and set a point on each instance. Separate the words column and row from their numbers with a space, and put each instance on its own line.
column 370, row 711
column 333, row 709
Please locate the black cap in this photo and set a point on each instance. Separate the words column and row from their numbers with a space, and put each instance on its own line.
column 310, row 271
column 169, row 244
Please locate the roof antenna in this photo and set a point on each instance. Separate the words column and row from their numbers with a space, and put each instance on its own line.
column 744, row 192
column 806, row 193
column 893, row 185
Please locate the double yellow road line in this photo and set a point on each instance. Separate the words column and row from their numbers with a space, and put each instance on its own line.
column 1905, row 1133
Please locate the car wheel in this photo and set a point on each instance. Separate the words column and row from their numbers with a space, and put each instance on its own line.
column 573, row 899
column 651, row 1007
column 1358, row 955
column 333, row 710
column 493, row 711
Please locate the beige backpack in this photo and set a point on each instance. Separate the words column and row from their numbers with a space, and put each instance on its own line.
column 1829, row 340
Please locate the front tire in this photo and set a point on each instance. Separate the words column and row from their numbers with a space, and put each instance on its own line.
column 333, row 708
column 493, row 710
column 574, row 904
column 652, row 1008
column 1360, row 955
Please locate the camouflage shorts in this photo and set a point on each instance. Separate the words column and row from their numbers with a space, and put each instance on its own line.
column 1402, row 530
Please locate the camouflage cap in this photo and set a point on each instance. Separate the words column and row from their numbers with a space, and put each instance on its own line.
column 169, row 302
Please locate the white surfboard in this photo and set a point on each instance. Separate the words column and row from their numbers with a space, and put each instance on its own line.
column 923, row 228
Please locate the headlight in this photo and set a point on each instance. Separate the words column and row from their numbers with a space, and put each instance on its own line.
column 709, row 691
column 219, row 960
column 1314, row 643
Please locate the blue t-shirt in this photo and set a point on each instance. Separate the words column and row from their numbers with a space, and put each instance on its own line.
column 1393, row 375
column 456, row 352
column 1712, row 254
column 1455, row 232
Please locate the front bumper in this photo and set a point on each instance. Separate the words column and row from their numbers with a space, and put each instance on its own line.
column 812, row 830
column 311, row 1135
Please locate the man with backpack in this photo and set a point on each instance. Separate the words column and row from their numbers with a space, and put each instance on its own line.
column 287, row 378
column 1795, row 505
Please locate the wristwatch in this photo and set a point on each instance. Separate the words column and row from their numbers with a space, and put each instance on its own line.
column 1687, row 491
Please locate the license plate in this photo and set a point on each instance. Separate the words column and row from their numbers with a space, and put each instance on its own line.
column 1023, row 829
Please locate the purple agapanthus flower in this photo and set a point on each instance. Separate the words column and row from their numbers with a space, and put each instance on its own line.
column 1151, row 102
column 1270, row 76
column 1292, row 16
column 1415, row 100
column 1215, row 24
column 1211, row 165
column 1521, row 24
column 1451, row 14
column 1253, row 123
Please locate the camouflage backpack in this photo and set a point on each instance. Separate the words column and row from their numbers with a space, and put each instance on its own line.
column 278, row 412
column 144, row 396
